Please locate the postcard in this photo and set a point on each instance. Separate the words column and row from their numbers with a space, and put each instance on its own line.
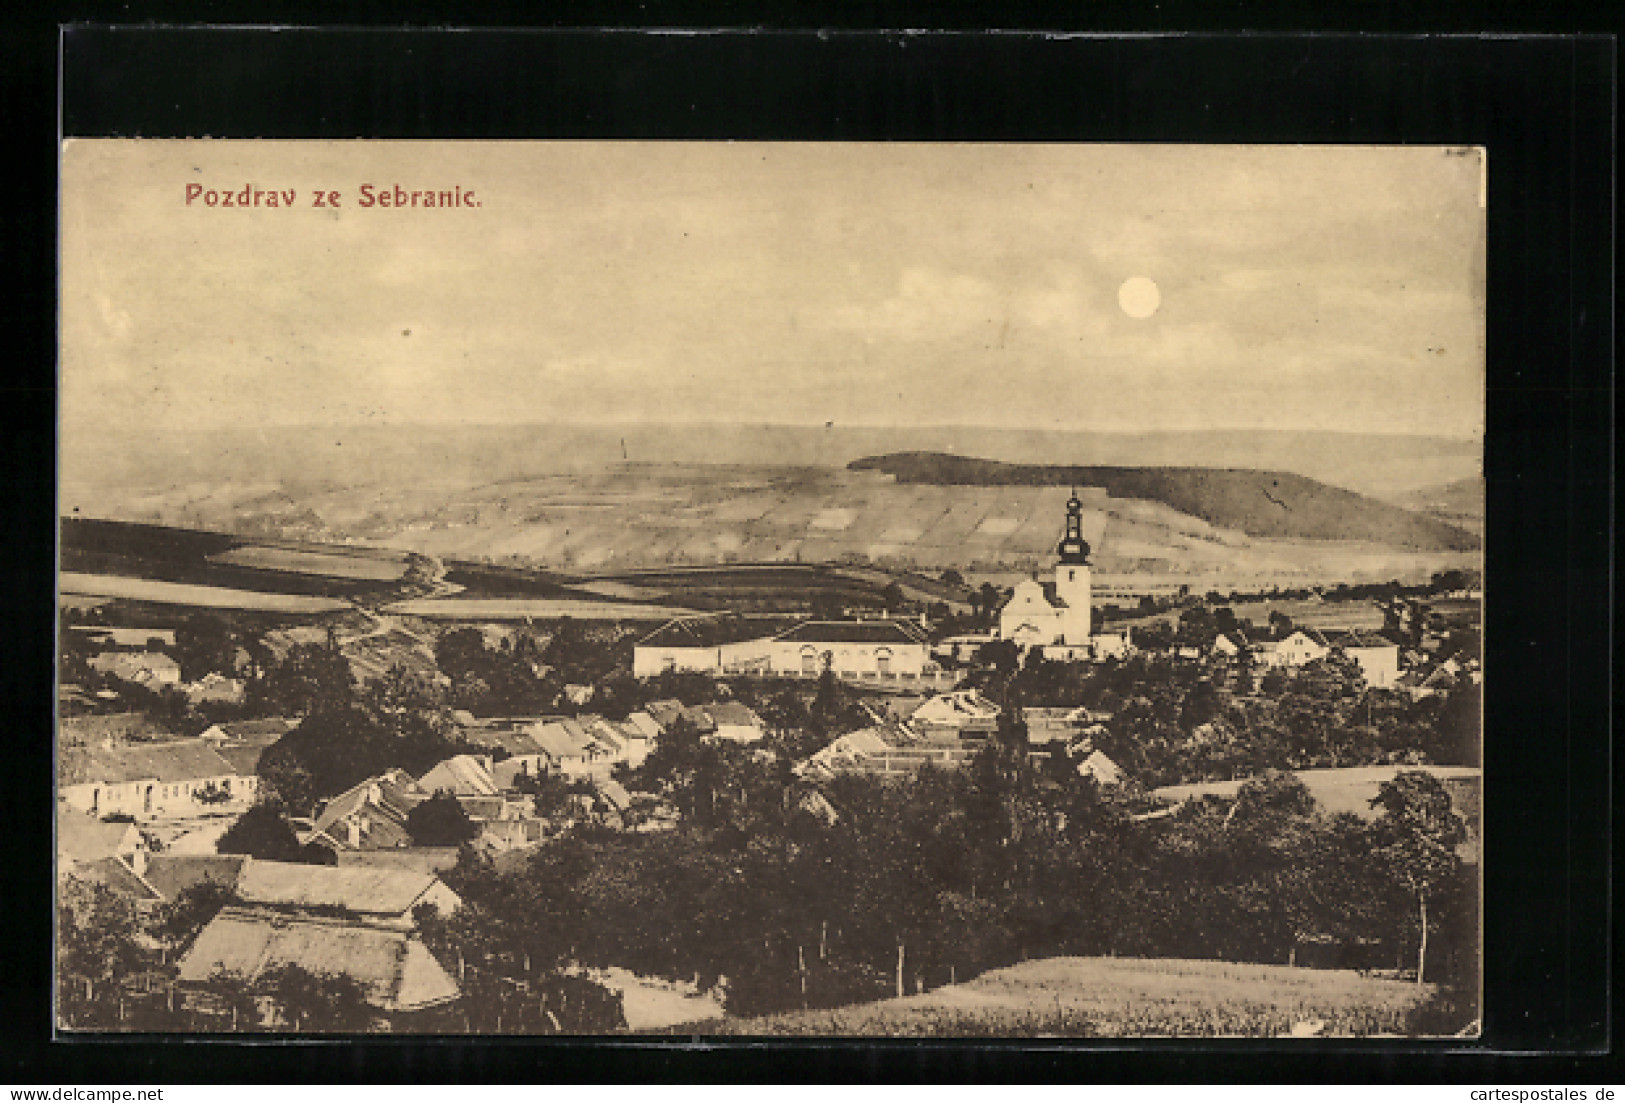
column 770, row 589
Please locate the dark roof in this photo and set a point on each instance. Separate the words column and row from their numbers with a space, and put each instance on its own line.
column 115, row 875
column 852, row 631
column 513, row 741
column 734, row 713
column 264, row 732
column 1052, row 595
column 710, row 631
column 244, row 758
column 117, row 726
column 173, row 874
column 1360, row 638
column 425, row 859
column 164, row 762
column 397, row 796
column 664, row 712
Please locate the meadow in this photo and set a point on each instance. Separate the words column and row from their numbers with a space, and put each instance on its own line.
column 511, row 608
column 203, row 597
column 369, row 566
column 1119, row 998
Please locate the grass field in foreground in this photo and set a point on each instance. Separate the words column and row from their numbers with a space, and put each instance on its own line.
column 1119, row 998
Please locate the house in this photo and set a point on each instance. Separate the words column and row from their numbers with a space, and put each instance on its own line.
column 570, row 748
column 511, row 737
column 173, row 874
column 1228, row 645
column 392, row 966
column 879, row 649
column 82, row 839
column 962, row 648
column 735, row 722
column 644, row 725
column 846, row 754
column 817, row 805
column 214, row 689
column 151, row 780
column 386, row 897
column 1104, row 771
column 960, row 714
column 153, row 669
column 370, row 815
column 1301, row 647
column 135, row 639
column 1377, row 656
column 1111, row 645
column 707, row 644
column 242, row 742
column 463, row 775
column 1063, row 725
column 261, row 732
column 665, row 712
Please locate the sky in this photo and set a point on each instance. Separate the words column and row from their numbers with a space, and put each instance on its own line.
column 1322, row 288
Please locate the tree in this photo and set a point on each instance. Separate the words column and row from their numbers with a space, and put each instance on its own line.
column 205, row 644
column 440, row 821
column 262, row 832
column 329, row 1003
column 986, row 600
column 193, row 907
column 96, row 952
column 309, row 677
column 1415, row 838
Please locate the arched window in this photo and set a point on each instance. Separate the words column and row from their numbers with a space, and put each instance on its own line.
column 883, row 659
column 809, row 660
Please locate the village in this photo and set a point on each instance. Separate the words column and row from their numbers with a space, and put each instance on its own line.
column 306, row 798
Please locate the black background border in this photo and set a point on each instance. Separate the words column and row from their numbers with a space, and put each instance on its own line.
column 1543, row 107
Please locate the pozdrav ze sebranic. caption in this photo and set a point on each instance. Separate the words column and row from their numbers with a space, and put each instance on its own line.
column 366, row 196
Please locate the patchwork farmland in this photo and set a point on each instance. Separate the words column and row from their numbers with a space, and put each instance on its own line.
column 627, row 517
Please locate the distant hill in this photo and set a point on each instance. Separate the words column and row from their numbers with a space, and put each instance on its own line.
column 1271, row 504
column 1459, row 502
column 270, row 464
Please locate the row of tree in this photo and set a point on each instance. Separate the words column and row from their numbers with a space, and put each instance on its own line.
column 931, row 879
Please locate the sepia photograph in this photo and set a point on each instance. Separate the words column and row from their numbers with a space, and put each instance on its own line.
column 735, row 589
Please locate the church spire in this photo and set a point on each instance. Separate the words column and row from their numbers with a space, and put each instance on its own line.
column 1074, row 548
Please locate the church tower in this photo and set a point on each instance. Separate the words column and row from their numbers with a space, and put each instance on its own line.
column 1072, row 577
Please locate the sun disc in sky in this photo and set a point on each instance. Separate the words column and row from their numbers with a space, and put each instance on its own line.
column 1139, row 297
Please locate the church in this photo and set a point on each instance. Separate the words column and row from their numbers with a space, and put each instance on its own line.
column 1055, row 615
